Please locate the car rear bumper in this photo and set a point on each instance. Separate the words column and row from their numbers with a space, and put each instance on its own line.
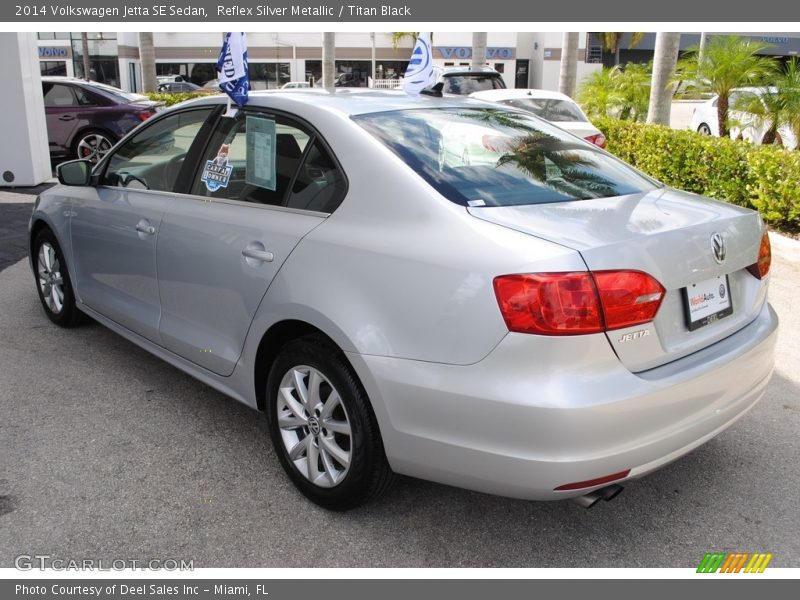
column 538, row 413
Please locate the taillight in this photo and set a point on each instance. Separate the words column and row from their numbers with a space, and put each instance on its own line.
column 598, row 139
column 146, row 114
column 577, row 303
column 628, row 297
column 760, row 268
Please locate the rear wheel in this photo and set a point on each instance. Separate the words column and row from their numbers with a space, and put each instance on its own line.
column 704, row 129
column 323, row 428
column 93, row 145
column 52, row 281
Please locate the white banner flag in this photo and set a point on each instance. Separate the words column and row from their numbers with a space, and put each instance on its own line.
column 419, row 73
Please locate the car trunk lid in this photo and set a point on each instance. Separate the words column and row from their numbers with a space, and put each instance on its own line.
column 667, row 234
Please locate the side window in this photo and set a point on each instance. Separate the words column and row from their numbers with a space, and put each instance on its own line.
column 153, row 158
column 320, row 185
column 86, row 98
column 56, row 94
column 258, row 168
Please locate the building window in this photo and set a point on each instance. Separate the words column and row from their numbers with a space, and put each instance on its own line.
column 197, row 73
column 53, row 67
column 268, row 76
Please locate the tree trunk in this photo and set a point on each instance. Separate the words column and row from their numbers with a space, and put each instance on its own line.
column 771, row 136
column 478, row 50
column 701, row 53
column 722, row 115
column 569, row 63
column 328, row 59
column 661, row 90
column 616, row 55
column 147, row 58
column 85, row 51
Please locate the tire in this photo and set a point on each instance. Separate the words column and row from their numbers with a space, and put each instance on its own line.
column 704, row 129
column 52, row 281
column 348, row 465
column 93, row 145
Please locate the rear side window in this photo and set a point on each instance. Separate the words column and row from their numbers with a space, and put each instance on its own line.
column 549, row 109
column 58, row 95
column 490, row 157
column 267, row 159
column 473, row 82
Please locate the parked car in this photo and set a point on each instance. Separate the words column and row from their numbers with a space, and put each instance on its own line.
column 178, row 87
column 295, row 85
column 705, row 121
column 85, row 118
column 347, row 80
column 557, row 108
column 170, row 78
column 462, row 81
column 545, row 325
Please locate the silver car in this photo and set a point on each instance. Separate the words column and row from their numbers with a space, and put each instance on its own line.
column 436, row 287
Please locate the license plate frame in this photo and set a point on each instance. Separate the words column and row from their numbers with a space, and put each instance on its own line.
column 700, row 313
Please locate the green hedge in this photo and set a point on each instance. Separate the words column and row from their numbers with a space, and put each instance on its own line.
column 766, row 178
column 170, row 99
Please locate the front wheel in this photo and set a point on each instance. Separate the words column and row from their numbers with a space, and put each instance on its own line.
column 704, row 129
column 52, row 281
column 323, row 428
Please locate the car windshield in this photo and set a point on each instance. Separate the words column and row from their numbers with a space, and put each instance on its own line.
column 490, row 157
column 472, row 82
column 549, row 109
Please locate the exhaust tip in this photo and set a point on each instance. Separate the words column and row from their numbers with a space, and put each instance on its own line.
column 587, row 500
column 607, row 493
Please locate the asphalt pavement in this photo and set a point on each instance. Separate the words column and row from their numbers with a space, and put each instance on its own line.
column 108, row 453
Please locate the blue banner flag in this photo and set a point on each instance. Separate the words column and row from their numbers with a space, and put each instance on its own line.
column 419, row 73
column 232, row 73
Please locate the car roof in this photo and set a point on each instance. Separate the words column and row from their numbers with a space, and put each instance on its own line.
column 509, row 94
column 347, row 101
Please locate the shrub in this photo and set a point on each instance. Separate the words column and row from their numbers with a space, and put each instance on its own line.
column 766, row 178
column 170, row 99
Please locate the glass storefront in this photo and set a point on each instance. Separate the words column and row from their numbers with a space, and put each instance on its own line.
column 53, row 67
column 103, row 61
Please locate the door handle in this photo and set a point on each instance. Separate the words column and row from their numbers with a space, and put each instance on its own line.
column 259, row 255
column 145, row 227
column 66, row 118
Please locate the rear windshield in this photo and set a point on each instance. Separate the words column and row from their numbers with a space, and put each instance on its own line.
column 549, row 109
column 490, row 157
column 472, row 82
column 117, row 94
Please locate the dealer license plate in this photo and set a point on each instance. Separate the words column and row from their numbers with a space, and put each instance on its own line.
column 707, row 301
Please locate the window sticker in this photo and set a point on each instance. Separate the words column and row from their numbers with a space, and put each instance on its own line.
column 261, row 138
column 217, row 172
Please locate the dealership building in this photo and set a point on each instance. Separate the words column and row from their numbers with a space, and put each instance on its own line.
column 525, row 59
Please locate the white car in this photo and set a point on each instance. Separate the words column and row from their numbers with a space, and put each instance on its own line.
column 557, row 108
column 704, row 119
column 292, row 85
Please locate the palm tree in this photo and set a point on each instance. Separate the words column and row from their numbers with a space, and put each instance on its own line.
column 478, row 50
column 789, row 88
column 399, row 36
column 598, row 94
column 147, row 57
column 569, row 63
column 85, row 57
column 612, row 40
column 633, row 88
column 728, row 62
column 661, row 87
column 328, row 59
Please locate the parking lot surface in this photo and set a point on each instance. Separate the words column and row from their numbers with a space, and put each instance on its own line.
column 108, row 453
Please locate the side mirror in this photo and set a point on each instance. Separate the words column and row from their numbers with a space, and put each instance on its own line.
column 75, row 172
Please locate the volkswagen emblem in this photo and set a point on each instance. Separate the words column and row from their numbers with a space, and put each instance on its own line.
column 718, row 247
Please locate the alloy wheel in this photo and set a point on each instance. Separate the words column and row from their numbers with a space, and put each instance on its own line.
column 314, row 426
column 93, row 147
column 51, row 282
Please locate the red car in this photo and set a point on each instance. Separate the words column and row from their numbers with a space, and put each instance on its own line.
column 85, row 118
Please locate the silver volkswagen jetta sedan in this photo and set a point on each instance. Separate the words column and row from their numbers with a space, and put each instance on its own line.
column 436, row 287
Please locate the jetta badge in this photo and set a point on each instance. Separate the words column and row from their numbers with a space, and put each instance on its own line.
column 718, row 247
